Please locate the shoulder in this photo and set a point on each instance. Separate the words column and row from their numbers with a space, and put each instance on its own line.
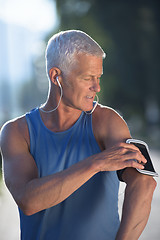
column 109, row 125
column 105, row 112
column 14, row 132
column 14, row 125
column 107, row 118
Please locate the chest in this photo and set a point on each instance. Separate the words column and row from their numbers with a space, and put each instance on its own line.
column 54, row 152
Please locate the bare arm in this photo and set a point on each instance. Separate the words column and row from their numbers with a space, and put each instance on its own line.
column 31, row 193
column 137, row 204
column 34, row 194
column 139, row 188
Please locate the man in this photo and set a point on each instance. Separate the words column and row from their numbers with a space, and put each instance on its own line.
column 60, row 160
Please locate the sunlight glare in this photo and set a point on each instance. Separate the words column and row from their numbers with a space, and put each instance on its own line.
column 37, row 15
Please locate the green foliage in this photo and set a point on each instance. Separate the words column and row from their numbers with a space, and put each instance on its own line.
column 128, row 31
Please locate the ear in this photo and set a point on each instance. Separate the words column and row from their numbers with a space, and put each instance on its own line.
column 53, row 73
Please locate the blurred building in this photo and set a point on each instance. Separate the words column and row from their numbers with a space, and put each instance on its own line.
column 16, row 57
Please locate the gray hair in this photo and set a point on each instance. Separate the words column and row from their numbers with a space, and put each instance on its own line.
column 64, row 45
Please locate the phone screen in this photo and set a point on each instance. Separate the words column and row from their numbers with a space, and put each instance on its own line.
column 148, row 166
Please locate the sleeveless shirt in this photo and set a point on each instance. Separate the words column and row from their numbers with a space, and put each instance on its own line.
column 91, row 212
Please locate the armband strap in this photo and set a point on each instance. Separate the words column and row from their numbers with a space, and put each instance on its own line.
column 120, row 173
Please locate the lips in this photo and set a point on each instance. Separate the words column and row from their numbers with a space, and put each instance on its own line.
column 89, row 97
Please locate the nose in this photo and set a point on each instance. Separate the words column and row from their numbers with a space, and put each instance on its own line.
column 95, row 86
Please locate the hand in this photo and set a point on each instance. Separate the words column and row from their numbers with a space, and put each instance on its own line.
column 120, row 156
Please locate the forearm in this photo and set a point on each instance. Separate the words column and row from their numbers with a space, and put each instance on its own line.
column 136, row 208
column 45, row 192
column 42, row 193
column 34, row 194
column 134, row 216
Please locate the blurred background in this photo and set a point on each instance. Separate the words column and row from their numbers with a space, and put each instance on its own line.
column 129, row 33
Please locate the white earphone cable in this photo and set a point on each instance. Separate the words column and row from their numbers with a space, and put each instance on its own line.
column 95, row 105
column 61, row 94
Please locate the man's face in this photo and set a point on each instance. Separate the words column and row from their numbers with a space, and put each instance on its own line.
column 82, row 83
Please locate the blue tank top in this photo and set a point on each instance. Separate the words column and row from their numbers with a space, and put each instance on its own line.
column 91, row 212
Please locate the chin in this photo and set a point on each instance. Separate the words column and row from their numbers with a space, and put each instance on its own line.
column 88, row 109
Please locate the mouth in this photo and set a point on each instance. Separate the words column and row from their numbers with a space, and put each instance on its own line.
column 90, row 97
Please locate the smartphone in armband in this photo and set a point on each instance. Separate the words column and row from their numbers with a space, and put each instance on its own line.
column 143, row 147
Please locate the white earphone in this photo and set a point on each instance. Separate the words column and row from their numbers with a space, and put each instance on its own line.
column 61, row 93
column 95, row 105
column 58, row 82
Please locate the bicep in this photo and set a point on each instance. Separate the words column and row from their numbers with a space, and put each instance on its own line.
column 18, row 164
column 118, row 130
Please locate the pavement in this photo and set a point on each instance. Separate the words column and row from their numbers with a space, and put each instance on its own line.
column 9, row 218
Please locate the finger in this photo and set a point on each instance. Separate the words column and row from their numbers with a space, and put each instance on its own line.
column 140, row 158
column 133, row 163
column 134, row 154
column 130, row 146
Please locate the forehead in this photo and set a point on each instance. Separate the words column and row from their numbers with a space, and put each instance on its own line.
column 88, row 64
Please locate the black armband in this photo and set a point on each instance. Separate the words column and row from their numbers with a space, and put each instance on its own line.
column 120, row 173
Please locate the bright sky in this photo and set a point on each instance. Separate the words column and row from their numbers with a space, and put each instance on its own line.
column 37, row 15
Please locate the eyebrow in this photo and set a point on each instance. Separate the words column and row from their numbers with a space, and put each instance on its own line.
column 91, row 75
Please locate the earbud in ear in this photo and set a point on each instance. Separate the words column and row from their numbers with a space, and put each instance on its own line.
column 58, row 81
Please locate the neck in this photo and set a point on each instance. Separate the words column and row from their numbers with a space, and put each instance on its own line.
column 51, row 100
column 60, row 119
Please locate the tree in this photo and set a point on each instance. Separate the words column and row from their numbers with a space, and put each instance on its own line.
column 129, row 34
